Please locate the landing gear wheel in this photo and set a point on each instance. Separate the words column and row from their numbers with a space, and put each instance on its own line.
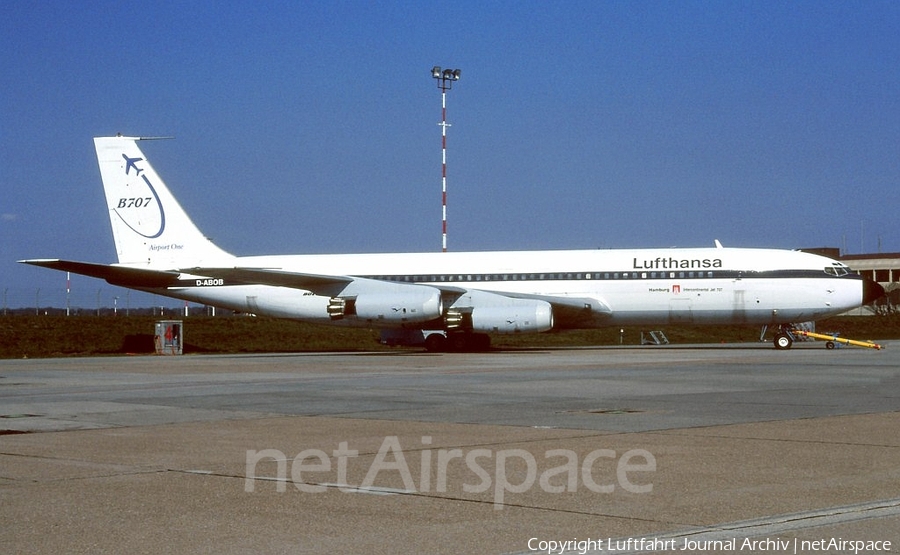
column 458, row 342
column 783, row 341
column 436, row 343
column 480, row 342
column 466, row 342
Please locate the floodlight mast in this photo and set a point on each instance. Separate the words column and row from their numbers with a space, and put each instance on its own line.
column 445, row 79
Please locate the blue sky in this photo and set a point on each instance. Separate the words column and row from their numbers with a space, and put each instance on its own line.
column 309, row 127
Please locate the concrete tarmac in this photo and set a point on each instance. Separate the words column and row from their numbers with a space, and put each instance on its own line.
column 607, row 450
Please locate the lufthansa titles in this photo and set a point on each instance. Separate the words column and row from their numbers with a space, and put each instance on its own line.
column 661, row 263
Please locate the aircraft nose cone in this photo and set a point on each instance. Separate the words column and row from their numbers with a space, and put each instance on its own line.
column 871, row 291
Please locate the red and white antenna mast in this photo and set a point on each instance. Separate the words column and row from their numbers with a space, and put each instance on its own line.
column 445, row 79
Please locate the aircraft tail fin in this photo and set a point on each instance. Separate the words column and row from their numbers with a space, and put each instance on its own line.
column 150, row 228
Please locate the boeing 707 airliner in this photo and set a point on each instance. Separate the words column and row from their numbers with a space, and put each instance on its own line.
column 453, row 300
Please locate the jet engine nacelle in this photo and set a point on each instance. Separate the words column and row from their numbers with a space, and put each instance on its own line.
column 390, row 308
column 521, row 317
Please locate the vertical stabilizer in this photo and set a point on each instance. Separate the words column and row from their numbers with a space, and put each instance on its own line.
column 149, row 226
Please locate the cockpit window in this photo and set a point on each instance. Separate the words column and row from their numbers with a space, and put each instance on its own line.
column 837, row 269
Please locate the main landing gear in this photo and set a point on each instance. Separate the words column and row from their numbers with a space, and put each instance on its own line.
column 457, row 342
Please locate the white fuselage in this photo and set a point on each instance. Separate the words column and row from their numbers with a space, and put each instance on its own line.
column 708, row 286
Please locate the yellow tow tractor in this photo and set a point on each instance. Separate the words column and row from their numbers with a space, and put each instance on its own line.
column 832, row 340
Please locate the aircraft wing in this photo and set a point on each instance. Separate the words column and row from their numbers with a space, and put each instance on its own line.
column 318, row 284
column 116, row 275
column 570, row 303
column 570, row 312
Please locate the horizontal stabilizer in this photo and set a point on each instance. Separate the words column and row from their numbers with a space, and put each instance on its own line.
column 115, row 275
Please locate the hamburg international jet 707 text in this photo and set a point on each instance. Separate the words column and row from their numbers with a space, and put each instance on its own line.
column 453, row 300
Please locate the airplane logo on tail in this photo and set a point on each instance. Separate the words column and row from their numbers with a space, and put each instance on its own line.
column 127, row 205
column 131, row 163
